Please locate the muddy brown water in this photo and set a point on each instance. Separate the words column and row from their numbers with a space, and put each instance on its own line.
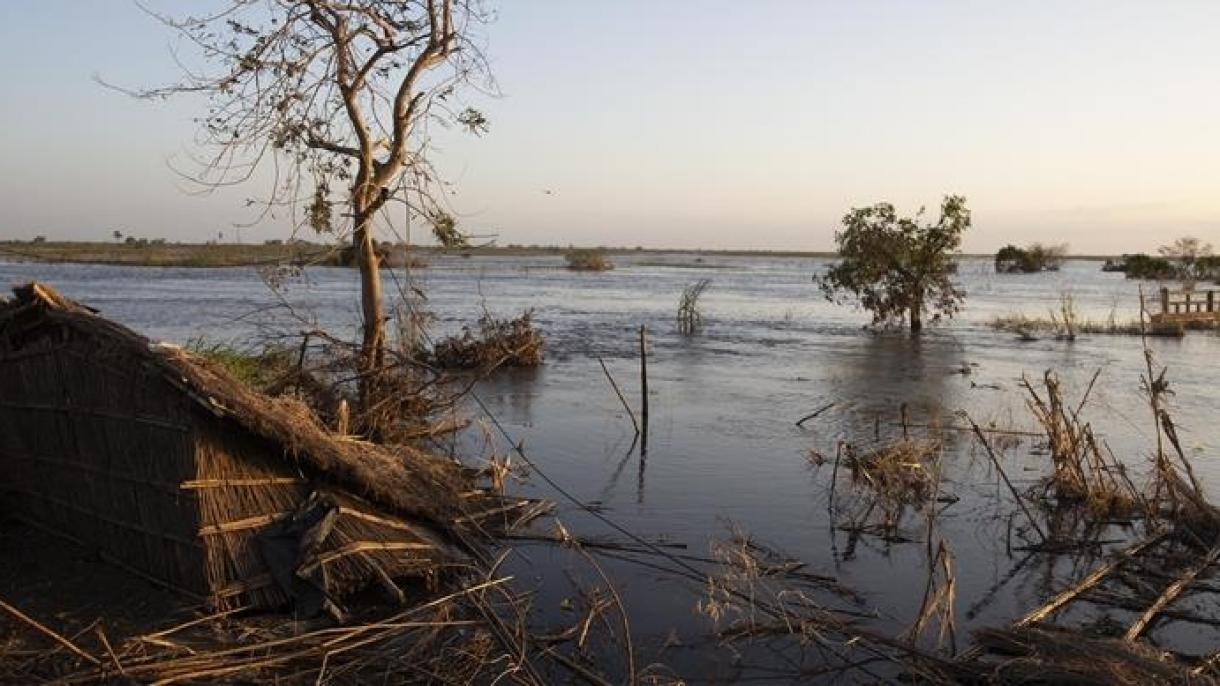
column 723, row 448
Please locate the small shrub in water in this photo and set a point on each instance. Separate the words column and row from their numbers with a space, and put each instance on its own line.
column 512, row 343
column 588, row 261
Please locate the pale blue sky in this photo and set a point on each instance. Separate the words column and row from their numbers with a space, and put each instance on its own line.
column 697, row 123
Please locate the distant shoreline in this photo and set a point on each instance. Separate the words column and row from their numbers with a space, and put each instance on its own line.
column 204, row 255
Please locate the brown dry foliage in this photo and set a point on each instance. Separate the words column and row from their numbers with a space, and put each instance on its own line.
column 588, row 261
column 498, row 343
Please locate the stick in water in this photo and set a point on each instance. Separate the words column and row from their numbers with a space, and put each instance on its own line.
column 644, row 378
column 619, row 393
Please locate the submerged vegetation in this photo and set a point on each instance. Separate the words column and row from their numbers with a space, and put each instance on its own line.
column 690, row 318
column 896, row 267
column 1031, row 259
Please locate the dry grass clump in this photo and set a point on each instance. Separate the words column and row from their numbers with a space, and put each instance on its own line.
column 900, row 471
column 764, row 605
column 1083, row 472
column 758, row 591
column 586, row 260
column 889, row 480
column 498, row 343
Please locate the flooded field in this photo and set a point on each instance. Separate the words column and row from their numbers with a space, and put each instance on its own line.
column 724, row 451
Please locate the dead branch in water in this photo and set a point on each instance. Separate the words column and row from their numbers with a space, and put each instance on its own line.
column 995, row 461
column 815, row 413
column 1170, row 593
column 621, row 399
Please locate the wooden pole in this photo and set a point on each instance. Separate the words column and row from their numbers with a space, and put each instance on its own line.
column 644, row 378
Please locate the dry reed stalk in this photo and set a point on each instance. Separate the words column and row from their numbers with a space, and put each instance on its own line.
column 751, row 596
column 1082, row 472
column 1186, row 502
column 939, row 598
column 276, row 653
column 995, row 461
column 889, row 479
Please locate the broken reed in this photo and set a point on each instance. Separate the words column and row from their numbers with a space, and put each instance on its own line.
column 1082, row 471
column 888, row 478
column 474, row 633
column 690, row 319
column 1085, row 472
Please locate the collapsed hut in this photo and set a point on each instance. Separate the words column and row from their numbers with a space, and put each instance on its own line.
column 168, row 467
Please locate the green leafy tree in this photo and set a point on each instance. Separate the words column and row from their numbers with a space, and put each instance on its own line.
column 896, row 267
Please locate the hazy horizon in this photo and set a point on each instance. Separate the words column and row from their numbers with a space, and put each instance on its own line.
column 694, row 124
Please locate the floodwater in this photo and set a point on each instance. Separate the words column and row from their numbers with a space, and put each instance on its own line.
column 723, row 448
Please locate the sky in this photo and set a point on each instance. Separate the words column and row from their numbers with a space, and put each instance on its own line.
column 692, row 123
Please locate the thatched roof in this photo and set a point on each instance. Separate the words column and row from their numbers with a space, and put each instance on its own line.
column 405, row 480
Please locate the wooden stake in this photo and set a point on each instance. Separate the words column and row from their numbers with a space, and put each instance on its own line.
column 644, row 377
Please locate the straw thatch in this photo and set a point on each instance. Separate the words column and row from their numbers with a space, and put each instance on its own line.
column 170, row 468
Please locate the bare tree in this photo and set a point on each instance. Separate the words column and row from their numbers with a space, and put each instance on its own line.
column 335, row 94
column 1193, row 257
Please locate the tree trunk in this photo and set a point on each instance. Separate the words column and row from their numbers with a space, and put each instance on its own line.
column 916, row 317
column 372, row 349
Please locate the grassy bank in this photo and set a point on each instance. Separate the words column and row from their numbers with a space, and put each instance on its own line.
column 1035, row 327
column 161, row 254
